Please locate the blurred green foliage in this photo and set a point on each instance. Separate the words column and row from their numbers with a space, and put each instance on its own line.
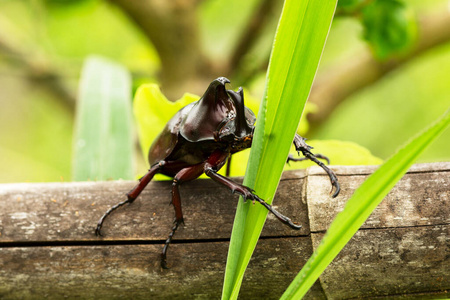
column 226, row 26
column 389, row 27
column 383, row 116
column 36, row 127
column 349, row 5
column 36, row 134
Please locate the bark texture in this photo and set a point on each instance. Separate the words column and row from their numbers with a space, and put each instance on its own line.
column 48, row 248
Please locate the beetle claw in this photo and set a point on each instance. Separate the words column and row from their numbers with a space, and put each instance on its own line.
column 301, row 146
column 98, row 230
column 164, row 263
column 178, row 222
column 337, row 188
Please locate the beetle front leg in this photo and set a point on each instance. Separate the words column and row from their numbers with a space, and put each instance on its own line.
column 247, row 193
column 301, row 146
column 297, row 159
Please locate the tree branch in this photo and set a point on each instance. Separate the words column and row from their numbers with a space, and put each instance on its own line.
column 49, row 250
column 335, row 85
column 171, row 26
column 252, row 32
column 39, row 72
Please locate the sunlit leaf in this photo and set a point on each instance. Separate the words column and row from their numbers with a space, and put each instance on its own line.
column 153, row 110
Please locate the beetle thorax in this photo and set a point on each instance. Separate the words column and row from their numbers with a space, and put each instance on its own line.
column 240, row 144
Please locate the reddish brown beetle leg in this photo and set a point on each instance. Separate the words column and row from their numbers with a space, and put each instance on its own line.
column 217, row 159
column 131, row 195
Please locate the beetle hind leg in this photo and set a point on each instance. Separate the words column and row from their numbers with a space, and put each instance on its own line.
column 131, row 195
column 176, row 223
column 301, row 146
column 176, row 201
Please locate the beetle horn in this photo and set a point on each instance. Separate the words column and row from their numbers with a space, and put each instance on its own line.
column 222, row 80
column 242, row 127
column 216, row 89
column 208, row 113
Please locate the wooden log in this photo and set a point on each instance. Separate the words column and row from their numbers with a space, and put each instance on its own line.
column 402, row 248
column 48, row 248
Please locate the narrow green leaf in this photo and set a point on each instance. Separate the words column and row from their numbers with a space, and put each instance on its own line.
column 103, row 145
column 298, row 45
column 365, row 199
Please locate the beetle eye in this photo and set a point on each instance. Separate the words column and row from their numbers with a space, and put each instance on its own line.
column 227, row 126
column 231, row 115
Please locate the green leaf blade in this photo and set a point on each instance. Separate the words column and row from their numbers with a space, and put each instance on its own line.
column 103, row 146
column 298, row 45
column 359, row 207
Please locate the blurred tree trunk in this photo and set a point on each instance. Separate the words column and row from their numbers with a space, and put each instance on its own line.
column 171, row 26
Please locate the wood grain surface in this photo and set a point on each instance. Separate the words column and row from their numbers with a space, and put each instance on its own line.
column 48, row 248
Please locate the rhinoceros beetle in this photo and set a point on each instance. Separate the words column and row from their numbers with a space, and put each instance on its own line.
column 199, row 139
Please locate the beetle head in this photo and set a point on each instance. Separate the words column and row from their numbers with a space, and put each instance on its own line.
column 242, row 125
column 219, row 115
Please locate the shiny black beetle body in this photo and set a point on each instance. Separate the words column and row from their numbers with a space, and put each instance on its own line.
column 199, row 139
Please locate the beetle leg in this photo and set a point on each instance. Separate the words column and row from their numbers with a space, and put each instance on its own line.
column 228, row 168
column 297, row 159
column 166, row 245
column 131, row 195
column 247, row 193
column 215, row 161
column 184, row 175
column 301, row 146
